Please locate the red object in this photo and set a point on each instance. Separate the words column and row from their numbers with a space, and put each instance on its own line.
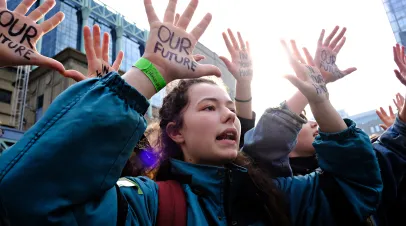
column 171, row 204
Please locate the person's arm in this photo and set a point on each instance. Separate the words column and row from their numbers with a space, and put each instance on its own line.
column 241, row 68
column 348, row 157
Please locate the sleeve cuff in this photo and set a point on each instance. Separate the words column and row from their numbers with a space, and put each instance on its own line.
column 285, row 113
column 342, row 135
column 399, row 126
column 126, row 92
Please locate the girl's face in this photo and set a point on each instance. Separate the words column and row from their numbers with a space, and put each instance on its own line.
column 304, row 146
column 210, row 133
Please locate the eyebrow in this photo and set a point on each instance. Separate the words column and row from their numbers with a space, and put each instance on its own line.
column 215, row 100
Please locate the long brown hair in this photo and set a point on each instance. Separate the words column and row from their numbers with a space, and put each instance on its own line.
column 172, row 111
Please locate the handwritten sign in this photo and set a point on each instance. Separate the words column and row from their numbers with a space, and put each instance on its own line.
column 317, row 81
column 103, row 72
column 328, row 63
column 245, row 64
column 175, row 46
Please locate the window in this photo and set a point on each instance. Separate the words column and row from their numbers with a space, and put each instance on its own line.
column 40, row 104
column 5, row 96
column 132, row 52
column 377, row 128
column 372, row 129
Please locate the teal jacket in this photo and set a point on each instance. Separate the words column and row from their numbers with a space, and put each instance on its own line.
column 63, row 171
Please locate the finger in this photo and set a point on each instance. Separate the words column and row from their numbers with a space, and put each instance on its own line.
column 338, row 38
column 52, row 22
column 24, row 6
column 149, row 9
column 117, row 62
column 170, row 11
column 396, row 57
column 75, row 75
column 96, row 41
column 295, row 81
column 400, row 77
column 383, row 112
column 233, row 40
column 105, row 47
column 242, row 43
column 321, row 37
column 198, row 31
column 176, row 19
column 403, row 54
column 90, row 54
column 47, row 62
column 391, row 112
column 328, row 39
column 228, row 44
column 287, row 50
column 340, row 45
column 43, row 9
column 226, row 62
column 186, row 17
column 206, row 70
column 396, row 104
column 384, row 127
column 3, row 4
column 380, row 115
column 348, row 71
column 296, row 52
column 309, row 57
column 248, row 46
column 198, row 57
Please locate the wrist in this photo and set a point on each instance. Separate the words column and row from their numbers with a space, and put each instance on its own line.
column 160, row 68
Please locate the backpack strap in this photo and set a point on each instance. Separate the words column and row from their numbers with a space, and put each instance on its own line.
column 341, row 208
column 122, row 207
column 171, row 204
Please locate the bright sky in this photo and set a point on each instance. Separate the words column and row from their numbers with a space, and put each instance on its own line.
column 264, row 23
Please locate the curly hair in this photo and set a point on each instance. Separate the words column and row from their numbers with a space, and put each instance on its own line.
column 172, row 110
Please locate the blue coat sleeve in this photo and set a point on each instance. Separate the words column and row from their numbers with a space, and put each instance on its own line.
column 391, row 151
column 273, row 138
column 349, row 157
column 75, row 153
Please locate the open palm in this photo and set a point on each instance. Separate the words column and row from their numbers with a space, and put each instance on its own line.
column 97, row 57
column 326, row 55
column 308, row 77
column 19, row 34
column 240, row 65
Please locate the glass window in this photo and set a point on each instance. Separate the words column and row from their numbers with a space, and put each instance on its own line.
column 372, row 129
column 394, row 26
column 387, row 6
column 5, row 96
column 377, row 128
column 131, row 51
column 67, row 35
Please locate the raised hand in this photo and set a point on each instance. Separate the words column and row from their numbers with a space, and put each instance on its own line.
column 400, row 60
column 308, row 77
column 326, row 55
column 170, row 47
column 97, row 56
column 399, row 101
column 19, row 34
column 387, row 120
column 240, row 65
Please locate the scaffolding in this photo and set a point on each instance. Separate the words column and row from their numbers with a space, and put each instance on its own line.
column 20, row 97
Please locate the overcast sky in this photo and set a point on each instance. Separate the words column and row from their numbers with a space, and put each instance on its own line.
column 264, row 23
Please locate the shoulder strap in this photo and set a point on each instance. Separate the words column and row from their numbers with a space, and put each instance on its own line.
column 171, row 204
column 122, row 208
column 340, row 206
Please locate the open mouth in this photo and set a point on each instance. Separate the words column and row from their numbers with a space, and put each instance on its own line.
column 228, row 134
column 316, row 133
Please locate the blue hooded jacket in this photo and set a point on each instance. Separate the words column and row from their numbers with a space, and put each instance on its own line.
column 63, row 171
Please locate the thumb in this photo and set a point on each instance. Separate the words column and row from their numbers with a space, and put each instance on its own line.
column 295, row 81
column 47, row 62
column 226, row 62
column 349, row 71
column 207, row 70
column 75, row 75
column 198, row 57
column 117, row 62
column 384, row 127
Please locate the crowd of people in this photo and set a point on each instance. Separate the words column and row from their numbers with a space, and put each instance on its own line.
column 205, row 161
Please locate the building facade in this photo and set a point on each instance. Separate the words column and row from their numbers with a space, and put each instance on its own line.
column 368, row 122
column 45, row 85
column 396, row 12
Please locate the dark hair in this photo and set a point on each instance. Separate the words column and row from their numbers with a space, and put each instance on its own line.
column 172, row 111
